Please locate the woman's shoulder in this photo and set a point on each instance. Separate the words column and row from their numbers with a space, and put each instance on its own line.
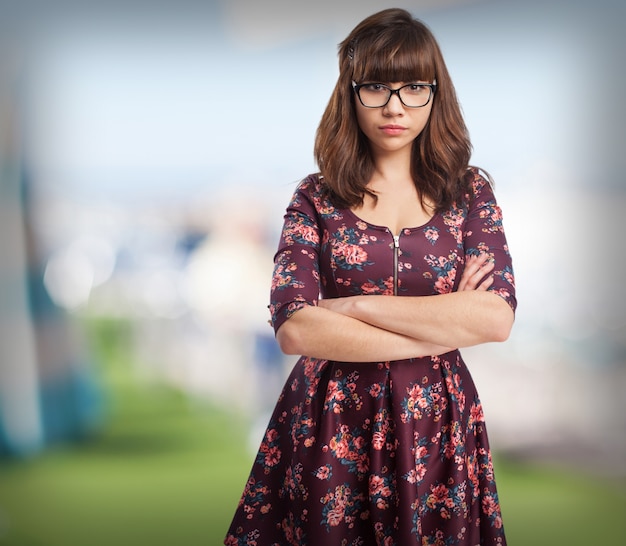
column 313, row 189
column 479, row 182
column 311, row 185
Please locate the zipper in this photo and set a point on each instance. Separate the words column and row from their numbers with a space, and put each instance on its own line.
column 396, row 252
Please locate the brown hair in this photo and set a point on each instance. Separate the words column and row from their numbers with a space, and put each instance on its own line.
column 392, row 46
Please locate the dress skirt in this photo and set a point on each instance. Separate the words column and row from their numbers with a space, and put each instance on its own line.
column 390, row 453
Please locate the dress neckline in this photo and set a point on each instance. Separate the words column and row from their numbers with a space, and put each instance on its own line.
column 356, row 217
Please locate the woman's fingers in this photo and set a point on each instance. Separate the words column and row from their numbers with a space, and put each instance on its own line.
column 476, row 273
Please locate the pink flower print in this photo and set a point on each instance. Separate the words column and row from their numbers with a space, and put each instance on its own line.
column 431, row 234
column 324, row 472
column 375, row 390
column 369, row 288
column 439, row 493
column 340, row 448
column 306, row 233
column 472, row 474
column 497, row 521
column 420, row 472
column 453, row 383
column 378, row 440
column 333, row 391
column 376, row 484
column 335, row 516
column 476, row 414
column 327, row 210
column 352, row 254
column 272, row 457
column 415, row 393
column 444, row 285
column 490, row 506
column 423, row 403
column 411, row 476
column 381, row 503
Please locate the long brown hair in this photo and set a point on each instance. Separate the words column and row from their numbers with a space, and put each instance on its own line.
column 392, row 46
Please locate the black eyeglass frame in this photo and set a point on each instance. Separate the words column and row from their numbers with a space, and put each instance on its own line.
column 357, row 89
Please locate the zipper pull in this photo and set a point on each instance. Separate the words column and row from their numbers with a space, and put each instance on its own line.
column 396, row 241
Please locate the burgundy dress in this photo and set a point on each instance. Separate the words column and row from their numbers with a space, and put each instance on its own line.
column 380, row 453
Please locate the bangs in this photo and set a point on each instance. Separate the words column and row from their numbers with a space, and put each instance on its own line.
column 401, row 58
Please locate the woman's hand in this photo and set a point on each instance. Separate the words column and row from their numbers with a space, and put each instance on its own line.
column 477, row 273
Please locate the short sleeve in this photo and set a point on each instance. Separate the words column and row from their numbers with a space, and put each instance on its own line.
column 484, row 233
column 296, row 279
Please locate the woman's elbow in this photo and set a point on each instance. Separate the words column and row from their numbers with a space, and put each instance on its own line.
column 288, row 339
column 502, row 324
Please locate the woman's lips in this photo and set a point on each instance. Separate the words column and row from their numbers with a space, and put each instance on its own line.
column 393, row 129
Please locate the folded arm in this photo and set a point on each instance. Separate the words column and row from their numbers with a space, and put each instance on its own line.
column 464, row 318
column 371, row 328
column 322, row 333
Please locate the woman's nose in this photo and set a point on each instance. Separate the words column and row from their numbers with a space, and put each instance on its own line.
column 394, row 105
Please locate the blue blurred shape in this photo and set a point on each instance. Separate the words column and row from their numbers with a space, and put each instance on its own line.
column 47, row 392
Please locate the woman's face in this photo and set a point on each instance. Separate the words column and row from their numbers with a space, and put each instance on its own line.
column 392, row 127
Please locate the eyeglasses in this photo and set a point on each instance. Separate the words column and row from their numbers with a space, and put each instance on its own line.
column 411, row 95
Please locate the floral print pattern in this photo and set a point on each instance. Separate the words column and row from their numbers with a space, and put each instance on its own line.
column 380, row 453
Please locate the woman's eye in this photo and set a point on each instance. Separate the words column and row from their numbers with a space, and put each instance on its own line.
column 416, row 88
column 375, row 87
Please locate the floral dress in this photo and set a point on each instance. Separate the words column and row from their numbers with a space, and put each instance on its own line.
column 379, row 453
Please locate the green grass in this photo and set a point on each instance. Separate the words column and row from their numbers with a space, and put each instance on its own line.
column 160, row 473
column 553, row 505
column 167, row 471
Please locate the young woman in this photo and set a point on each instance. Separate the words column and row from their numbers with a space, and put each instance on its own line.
column 390, row 259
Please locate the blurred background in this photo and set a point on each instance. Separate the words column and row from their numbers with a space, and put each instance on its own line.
column 147, row 153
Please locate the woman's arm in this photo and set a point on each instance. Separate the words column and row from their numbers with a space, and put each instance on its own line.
column 460, row 319
column 333, row 331
column 321, row 333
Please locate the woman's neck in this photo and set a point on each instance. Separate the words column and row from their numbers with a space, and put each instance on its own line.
column 391, row 170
